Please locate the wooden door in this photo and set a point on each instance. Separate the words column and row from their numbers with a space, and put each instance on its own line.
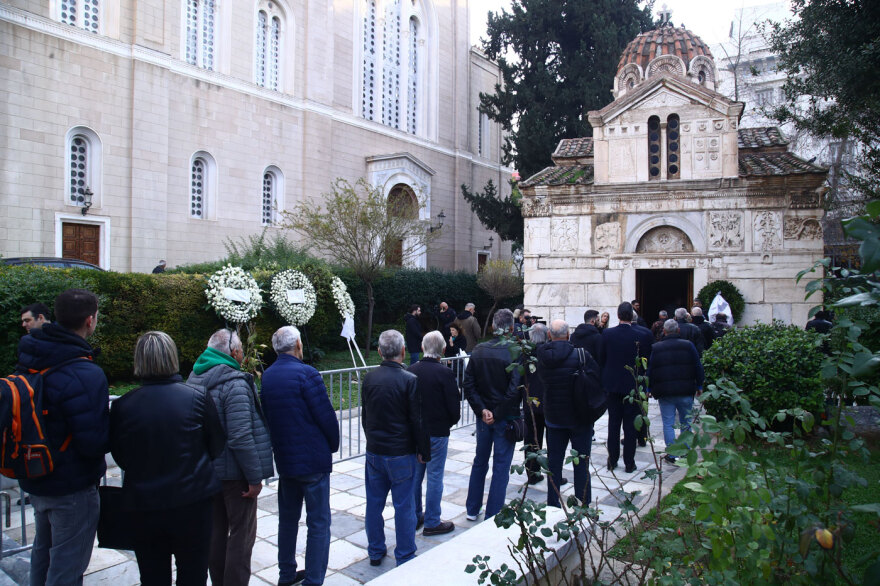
column 81, row 241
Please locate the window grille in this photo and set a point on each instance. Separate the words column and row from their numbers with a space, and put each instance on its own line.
column 262, row 25
column 268, row 198
column 198, row 182
column 85, row 14
column 79, row 169
column 200, row 15
column 673, row 142
column 412, row 105
column 391, row 66
column 368, row 98
column 653, row 148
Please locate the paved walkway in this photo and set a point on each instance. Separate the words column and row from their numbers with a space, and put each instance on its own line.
column 348, row 562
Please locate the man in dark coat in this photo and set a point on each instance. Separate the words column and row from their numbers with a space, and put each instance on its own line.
column 468, row 326
column 704, row 326
column 820, row 323
column 441, row 409
column 720, row 327
column 624, row 345
column 588, row 337
column 675, row 375
column 637, row 314
column 520, row 328
column 689, row 331
column 159, row 268
column 657, row 328
column 414, row 333
column 445, row 317
column 396, row 442
column 558, row 361
column 34, row 315
column 533, row 408
column 77, row 417
column 305, row 434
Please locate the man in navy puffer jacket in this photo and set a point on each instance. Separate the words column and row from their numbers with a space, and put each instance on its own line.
column 305, row 433
column 77, row 425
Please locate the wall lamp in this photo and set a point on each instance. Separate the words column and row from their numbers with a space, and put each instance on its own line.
column 87, row 200
column 441, row 216
column 489, row 246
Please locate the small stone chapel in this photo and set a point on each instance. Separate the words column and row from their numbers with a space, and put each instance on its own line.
column 668, row 195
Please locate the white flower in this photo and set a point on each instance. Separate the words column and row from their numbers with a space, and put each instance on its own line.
column 296, row 314
column 234, row 278
column 342, row 298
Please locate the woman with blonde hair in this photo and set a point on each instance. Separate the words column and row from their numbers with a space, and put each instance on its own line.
column 164, row 435
column 603, row 321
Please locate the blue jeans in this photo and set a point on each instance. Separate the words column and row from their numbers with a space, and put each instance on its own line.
column 414, row 357
column 65, row 528
column 434, row 494
column 314, row 489
column 668, row 407
column 489, row 438
column 395, row 474
column 557, row 444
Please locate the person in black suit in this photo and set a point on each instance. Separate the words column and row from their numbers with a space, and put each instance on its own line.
column 624, row 344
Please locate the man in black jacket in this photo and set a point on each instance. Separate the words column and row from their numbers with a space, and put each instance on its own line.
column 414, row 333
column 396, row 442
column 441, row 410
column 688, row 330
column 533, row 408
column 445, row 317
column 495, row 397
column 588, row 336
column 558, row 360
column 704, row 326
column 675, row 375
column 77, row 420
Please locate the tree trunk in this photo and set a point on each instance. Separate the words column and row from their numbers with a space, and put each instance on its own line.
column 370, row 304
column 489, row 318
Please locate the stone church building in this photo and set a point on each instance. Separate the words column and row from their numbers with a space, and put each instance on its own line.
column 138, row 130
column 668, row 195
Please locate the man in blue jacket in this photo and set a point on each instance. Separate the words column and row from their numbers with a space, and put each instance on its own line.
column 624, row 345
column 77, row 421
column 305, row 434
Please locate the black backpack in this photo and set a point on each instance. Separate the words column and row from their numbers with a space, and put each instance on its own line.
column 590, row 399
column 25, row 450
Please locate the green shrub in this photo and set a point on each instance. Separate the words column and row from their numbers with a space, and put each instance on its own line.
column 776, row 367
column 730, row 293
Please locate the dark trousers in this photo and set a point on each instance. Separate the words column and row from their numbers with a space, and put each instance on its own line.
column 233, row 536
column 183, row 532
column 622, row 412
column 558, row 439
column 534, row 438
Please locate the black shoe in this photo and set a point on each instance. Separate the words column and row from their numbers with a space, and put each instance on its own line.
column 669, row 458
column 299, row 578
column 536, row 479
column 630, row 470
column 563, row 481
column 621, row 441
column 443, row 527
column 643, row 443
column 611, row 466
column 419, row 523
column 376, row 562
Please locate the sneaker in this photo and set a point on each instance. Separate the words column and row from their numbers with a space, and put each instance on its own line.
column 669, row 458
column 472, row 517
column 443, row 527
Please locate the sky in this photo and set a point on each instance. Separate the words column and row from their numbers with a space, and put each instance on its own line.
column 708, row 19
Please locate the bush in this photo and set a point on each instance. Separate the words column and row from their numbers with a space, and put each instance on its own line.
column 730, row 293
column 776, row 367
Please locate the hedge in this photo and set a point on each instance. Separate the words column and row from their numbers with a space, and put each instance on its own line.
column 776, row 366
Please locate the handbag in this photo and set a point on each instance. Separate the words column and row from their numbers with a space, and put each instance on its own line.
column 115, row 523
column 515, row 431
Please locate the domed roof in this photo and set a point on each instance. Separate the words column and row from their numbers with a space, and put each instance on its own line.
column 665, row 40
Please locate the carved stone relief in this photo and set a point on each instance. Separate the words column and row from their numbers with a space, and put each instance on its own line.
column 767, row 231
column 725, row 230
column 665, row 239
column 532, row 208
column 607, row 238
column 707, row 153
column 802, row 229
column 665, row 64
column 564, row 235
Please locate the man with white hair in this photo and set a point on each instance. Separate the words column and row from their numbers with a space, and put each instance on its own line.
column 441, row 409
column 675, row 375
column 396, row 442
column 494, row 395
column 245, row 461
column 305, row 433
column 469, row 327
column 688, row 330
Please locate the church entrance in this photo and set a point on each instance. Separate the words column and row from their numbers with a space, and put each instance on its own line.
column 668, row 289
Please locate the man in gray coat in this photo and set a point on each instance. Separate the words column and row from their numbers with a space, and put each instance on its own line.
column 243, row 464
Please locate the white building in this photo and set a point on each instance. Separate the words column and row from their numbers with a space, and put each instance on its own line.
column 191, row 121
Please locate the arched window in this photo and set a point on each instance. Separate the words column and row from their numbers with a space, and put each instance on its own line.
column 272, row 196
column 83, row 166
column 200, row 24
column 673, row 150
column 269, row 33
column 202, row 186
column 85, row 14
column 402, row 203
column 653, row 148
column 395, row 60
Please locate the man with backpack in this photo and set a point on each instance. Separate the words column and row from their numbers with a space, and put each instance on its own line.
column 76, row 417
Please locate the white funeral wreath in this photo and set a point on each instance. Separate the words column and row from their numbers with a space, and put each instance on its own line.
column 234, row 294
column 294, row 297
column 342, row 298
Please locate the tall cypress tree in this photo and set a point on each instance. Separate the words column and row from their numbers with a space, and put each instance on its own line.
column 566, row 58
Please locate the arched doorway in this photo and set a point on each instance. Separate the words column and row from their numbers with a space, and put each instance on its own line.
column 664, row 288
column 402, row 203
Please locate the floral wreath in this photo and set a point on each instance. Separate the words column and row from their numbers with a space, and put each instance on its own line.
column 234, row 294
column 342, row 298
column 295, row 312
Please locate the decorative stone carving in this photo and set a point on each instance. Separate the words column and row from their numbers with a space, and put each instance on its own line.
column 664, row 98
column 665, row 239
column 607, row 238
column 802, row 229
column 725, row 230
column 627, row 78
column 666, row 64
column 532, row 208
column 707, row 153
column 702, row 71
column 564, row 235
column 805, row 200
column 767, row 231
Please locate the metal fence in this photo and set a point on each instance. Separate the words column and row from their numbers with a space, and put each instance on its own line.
column 343, row 387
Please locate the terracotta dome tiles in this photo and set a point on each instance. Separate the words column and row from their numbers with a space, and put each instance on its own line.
column 671, row 40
